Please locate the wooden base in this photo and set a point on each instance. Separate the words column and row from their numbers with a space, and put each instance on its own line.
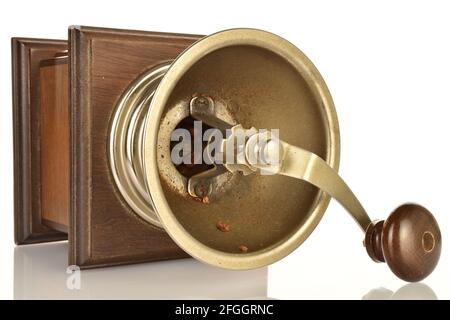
column 62, row 113
column 27, row 55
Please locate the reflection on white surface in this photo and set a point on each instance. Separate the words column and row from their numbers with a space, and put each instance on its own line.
column 410, row 291
column 40, row 273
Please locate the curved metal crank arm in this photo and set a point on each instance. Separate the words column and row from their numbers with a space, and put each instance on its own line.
column 292, row 161
column 305, row 165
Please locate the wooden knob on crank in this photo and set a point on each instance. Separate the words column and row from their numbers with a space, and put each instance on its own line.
column 409, row 241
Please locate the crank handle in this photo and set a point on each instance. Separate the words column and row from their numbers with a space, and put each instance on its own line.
column 409, row 240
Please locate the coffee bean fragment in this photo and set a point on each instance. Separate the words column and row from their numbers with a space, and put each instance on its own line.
column 243, row 248
column 222, row 226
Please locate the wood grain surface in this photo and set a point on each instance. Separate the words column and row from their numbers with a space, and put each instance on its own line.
column 103, row 62
column 55, row 166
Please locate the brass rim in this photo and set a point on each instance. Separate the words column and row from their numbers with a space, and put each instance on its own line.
column 185, row 61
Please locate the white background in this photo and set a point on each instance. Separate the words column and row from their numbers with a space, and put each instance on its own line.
column 387, row 65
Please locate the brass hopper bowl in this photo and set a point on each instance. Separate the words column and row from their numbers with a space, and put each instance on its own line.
column 232, row 216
